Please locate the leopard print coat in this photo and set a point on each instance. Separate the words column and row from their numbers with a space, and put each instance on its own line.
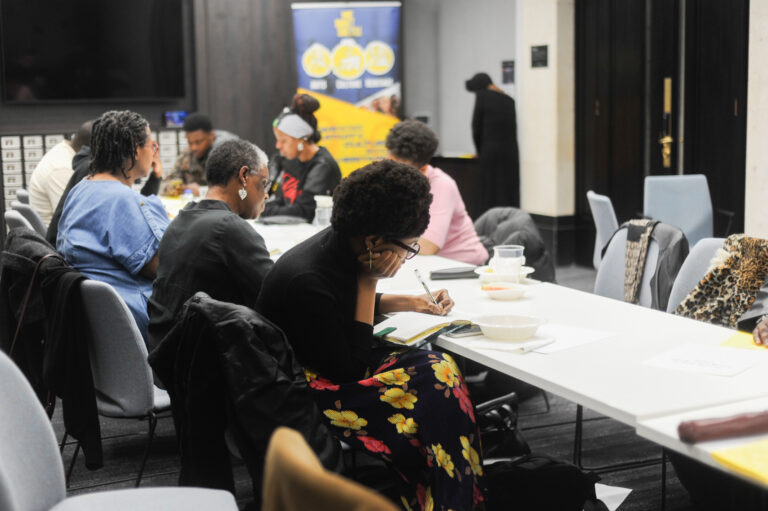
column 729, row 289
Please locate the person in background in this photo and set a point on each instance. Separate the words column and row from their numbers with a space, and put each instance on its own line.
column 494, row 131
column 49, row 179
column 81, row 164
column 409, row 406
column 209, row 246
column 450, row 232
column 108, row 231
column 190, row 166
column 303, row 169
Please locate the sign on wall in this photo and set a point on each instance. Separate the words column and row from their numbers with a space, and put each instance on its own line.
column 347, row 57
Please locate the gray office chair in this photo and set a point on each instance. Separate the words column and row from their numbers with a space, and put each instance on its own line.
column 31, row 471
column 31, row 215
column 22, row 196
column 693, row 270
column 606, row 223
column 609, row 281
column 121, row 374
column 15, row 219
column 682, row 201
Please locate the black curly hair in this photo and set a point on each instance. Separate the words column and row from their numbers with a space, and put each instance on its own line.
column 115, row 138
column 384, row 198
column 412, row 141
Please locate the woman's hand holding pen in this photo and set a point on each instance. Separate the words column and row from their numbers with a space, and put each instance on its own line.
column 423, row 303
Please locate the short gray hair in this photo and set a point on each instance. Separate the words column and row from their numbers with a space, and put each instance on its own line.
column 226, row 159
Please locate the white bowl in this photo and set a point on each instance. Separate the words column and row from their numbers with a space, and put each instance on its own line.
column 508, row 327
column 487, row 274
column 503, row 290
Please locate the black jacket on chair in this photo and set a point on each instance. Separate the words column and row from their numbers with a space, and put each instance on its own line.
column 513, row 226
column 227, row 367
column 52, row 344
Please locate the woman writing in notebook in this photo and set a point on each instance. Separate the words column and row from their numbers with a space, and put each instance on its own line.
column 411, row 407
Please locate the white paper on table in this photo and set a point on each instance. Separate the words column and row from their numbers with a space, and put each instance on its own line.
column 717, row 360
column 565, row 337
column 569, row 337
column 612, row 496
column 484, row 343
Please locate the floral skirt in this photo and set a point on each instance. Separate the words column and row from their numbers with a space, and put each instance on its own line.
column 414, row 413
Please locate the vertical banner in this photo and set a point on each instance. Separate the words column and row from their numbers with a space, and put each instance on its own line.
column 347, row 57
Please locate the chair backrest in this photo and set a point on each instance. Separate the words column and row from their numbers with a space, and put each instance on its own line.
column 122, row 377
column 606, row 222
column 15, row 219
column 693, row 269
column 609, row 281
column 22, row 196
column 31, row 471
column 682, row 201
column 31, row 215
column 295, row 480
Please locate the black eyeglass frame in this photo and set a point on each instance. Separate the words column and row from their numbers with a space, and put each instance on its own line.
column 413, row 249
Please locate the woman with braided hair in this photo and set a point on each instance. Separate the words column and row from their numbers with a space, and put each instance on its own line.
column 108, row 231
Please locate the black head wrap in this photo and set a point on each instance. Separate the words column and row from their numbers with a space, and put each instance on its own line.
column 478, row 82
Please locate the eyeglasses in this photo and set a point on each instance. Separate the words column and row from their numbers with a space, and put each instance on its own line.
column 266, row 184
column 413, row 249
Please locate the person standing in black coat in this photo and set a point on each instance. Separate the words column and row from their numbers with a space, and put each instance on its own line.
column 494, row 131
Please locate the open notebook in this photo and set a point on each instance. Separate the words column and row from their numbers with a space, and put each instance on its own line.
column 412, row 327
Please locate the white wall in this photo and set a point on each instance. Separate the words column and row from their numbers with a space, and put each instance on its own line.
column 756, row 189
column 446, row 42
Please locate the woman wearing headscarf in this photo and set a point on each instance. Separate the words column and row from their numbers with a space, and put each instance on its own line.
column 494, row 131
column 303, row 169
column 409, row 407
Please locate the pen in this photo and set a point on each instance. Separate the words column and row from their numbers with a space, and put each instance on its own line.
column 536, row 345
column 424, row 285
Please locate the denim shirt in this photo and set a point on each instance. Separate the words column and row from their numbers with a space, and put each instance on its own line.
column 109, row 233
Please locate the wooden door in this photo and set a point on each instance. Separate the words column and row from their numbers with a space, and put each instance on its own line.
column 610, row 115
column 716, row 101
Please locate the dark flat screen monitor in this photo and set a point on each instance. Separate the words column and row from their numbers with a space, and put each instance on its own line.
column 91, row 50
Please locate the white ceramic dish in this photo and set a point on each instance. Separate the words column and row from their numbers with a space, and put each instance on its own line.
column 508, row 327
column 487, row 274
column 503, row 290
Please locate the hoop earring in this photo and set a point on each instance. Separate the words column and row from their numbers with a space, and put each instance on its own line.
column 370, row 259
column 243, row 193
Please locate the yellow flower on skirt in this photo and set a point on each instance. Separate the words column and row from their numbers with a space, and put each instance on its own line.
column 393, row 377
column 446, row 371
column 309, row 375
column 404, row 425
column 398, row 398
column 346, row 419
column 429, row 503
column 470, row 454
column 443, row 459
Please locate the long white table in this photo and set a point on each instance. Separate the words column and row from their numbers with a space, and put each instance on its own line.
column 608, row 375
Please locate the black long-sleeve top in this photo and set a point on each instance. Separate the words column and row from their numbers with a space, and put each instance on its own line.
column 311, row 294
column 207, row 247
column 298, row 182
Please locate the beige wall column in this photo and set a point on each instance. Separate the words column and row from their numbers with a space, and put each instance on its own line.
column 545, row 107
column 756, row 189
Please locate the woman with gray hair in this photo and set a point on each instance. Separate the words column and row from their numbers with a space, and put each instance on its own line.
column 210, row 246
